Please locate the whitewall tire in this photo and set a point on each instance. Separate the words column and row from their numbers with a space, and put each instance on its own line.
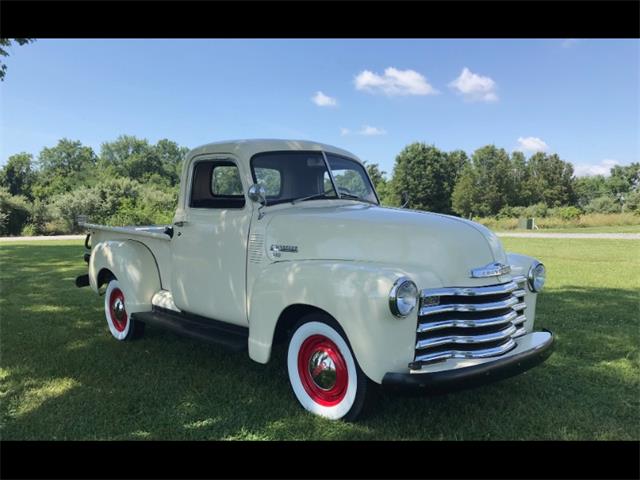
column 121, row 325
column 324, row 374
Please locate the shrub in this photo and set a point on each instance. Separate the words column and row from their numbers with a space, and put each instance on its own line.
column 565, row 213
column 633, row 202
column 14, row 213
column 29, row 230
column 603, row 204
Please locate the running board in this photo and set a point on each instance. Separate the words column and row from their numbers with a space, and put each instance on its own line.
column 229, row 336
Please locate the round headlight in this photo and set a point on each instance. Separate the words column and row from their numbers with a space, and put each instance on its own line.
column 403, row 297
column 536, row 277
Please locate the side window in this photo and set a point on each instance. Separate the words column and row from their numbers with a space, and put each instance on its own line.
column 270, row 179
column 225, row 181
column 216, row 184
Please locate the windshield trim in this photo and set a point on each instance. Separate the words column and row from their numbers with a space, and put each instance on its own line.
column 327, row 165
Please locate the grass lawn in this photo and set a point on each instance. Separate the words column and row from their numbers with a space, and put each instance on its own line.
column 62, row 376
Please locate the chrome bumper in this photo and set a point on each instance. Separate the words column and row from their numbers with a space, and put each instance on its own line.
column 533, row 349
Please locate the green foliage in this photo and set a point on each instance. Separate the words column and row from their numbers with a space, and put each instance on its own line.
column 550, row 180
column 14, row 213
column 427, row 175
column 604, row 204
column 63, row 168
column 565, row 213
column 17, row 175
column 4, row 43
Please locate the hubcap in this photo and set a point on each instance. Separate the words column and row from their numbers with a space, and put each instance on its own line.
column 117, row 310
column 323, row 370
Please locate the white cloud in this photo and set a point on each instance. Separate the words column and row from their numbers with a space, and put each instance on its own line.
column 394, row 82
column 323, row 100
column 602, row 168
column 369, row 131
column 532, row 144
column 474, row 87
column 344, row 131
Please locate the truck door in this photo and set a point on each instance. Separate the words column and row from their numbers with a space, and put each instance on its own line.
column 209, row 245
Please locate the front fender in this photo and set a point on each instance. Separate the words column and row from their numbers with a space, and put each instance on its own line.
column 354, row 294
column 133, row 265
column 520, row 265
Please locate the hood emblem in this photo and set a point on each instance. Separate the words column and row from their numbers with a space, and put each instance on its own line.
column 277, row 250
column 492, row 270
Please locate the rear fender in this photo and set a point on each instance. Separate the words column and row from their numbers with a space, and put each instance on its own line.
column 133, row 265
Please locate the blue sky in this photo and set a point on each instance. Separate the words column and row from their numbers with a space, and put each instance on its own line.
column 577, row 98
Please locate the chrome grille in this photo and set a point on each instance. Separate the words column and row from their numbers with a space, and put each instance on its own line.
column 470, row 322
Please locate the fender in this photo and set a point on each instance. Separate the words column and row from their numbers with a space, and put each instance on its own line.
column 356, row 295
column 134, row 266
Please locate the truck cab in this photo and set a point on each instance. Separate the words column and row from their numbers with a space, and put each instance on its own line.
column 286, row 241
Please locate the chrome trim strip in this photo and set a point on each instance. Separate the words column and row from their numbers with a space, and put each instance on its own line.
column 494, row 269
column 519, row 319
column 462, row 307
column 519, row 332
column 487, row 352
column 519, row 279
column 520, row 306
column 466, row 339
column 470, row 291
column 519, row 293
column 485, row 322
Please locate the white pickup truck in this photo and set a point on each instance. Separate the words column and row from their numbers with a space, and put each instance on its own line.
column 285, row 241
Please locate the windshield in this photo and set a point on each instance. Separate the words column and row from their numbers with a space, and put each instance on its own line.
column 294, row 175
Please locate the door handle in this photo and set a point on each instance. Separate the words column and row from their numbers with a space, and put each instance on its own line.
column 181, row 223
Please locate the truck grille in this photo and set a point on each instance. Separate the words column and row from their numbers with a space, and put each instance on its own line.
column 469, row 322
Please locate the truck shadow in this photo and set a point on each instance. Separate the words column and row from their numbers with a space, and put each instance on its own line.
column 64, row 377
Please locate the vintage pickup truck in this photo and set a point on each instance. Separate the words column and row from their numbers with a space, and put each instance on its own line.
column 286, row 241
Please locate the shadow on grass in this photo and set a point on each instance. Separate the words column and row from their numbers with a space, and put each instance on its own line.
column 64, row 377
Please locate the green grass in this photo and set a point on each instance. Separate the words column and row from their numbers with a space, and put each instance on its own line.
column 63, row 377
column 605, row 229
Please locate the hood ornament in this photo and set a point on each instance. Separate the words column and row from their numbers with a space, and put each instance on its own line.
column 492, row 270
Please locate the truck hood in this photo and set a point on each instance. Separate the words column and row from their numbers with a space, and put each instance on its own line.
column 445, row 246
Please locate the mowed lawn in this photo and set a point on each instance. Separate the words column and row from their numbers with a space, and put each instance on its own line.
column 62, row 376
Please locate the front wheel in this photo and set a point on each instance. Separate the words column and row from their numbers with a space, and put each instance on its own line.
column 121, row 325
column 323, row 372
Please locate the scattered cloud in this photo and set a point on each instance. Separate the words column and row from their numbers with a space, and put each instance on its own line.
column 569, row 42
column 474, row 87
column 394, row 82
column 366, row 130
column 532, row 144
column 602, row 168
column 323, row 100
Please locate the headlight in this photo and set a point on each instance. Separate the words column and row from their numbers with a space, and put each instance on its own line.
column 403, row 297
column 536, row 276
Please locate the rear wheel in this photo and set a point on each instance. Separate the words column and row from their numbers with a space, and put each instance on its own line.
column 121, row 325
column 323, row 372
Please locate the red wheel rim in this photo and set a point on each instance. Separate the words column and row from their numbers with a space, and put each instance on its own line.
column 323, row 370
column 117, row 310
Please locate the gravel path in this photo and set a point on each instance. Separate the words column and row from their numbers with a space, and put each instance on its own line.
column 616, row 236
column 41, row 237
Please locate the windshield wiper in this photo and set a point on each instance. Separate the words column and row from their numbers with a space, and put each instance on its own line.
column 355, row 197
column 310, row 197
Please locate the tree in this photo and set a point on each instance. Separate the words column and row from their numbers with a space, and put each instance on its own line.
column 624, row 180
column 550, row 180
column 589, row 188
column 427, row 175
column 465, row 199
column 62, row 168
column 492, row 182
column 519, row 194
column 17, row 175
column 4, row 44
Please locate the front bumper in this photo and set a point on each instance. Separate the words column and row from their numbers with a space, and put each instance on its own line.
column 467, row 377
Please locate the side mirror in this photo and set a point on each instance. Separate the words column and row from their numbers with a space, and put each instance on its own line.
column 258, row 194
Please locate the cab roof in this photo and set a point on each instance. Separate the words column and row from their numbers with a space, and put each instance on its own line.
column 245, row 149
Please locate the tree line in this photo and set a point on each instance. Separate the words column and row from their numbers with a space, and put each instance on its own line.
column 132, row 181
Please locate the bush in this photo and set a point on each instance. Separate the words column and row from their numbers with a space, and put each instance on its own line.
column 14, row 213
column 604, row 204
column 29, row 230
column 633, row 202
column 565, row 213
